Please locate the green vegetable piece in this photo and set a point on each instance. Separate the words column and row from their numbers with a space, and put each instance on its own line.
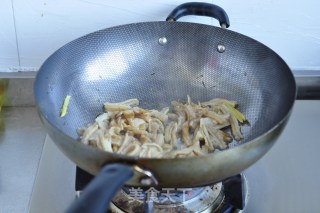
column 239, row 116
column 65, row 105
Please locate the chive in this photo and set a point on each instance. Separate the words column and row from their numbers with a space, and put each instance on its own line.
column 239, row 116
column 64, row 107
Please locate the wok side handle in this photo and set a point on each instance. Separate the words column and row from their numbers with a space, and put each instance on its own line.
column 200, row 9
column 97, row 196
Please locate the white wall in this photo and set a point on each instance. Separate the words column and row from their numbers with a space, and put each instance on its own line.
column 8, row 45
column 30, row 30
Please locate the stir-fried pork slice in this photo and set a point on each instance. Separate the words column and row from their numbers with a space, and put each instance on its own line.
column 138, row 123
column 159, row 139
column 193, row 124
column 132, row 149
column 104, row 142
column 193, row 150
column 190, row 112
column 152, row 150
column 208, row 141
column 141, row 113
column 125, row 105
column 223, row 135
column 165, row 110
column 88, row 132
column 215, row 117
column 235, row 128
column 211, row 138
column 155, row 126
column 219, row 101
column 128, row 114
column 102, row 120
column 127, row 129
column 170, row 134
column 161, row 116
column 185, row 134
column 143, row 138
column 173, row 117
column 181, row 118
column 126, row 141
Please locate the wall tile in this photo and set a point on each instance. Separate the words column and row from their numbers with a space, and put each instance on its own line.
column 8, row 47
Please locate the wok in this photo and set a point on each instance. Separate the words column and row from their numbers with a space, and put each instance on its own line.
column 158, row 62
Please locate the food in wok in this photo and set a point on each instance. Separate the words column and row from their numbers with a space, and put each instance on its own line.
column 186, row 130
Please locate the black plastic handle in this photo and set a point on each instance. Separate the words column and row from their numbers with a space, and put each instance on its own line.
column 97, row 196
column 200, row 9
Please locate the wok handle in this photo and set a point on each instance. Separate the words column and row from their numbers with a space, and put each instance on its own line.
column 200, row 9
column 97, row 196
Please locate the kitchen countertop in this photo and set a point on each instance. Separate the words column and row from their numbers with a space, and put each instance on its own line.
column 35, row 175
column 287, row 178
column 21, row 142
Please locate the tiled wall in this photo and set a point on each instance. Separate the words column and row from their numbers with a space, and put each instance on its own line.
column 30, row 30
column 8, row 45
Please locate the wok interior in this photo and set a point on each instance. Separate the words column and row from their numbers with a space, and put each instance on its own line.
column 126, row 62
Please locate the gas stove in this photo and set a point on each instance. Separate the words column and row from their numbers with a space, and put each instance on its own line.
column 228, row 196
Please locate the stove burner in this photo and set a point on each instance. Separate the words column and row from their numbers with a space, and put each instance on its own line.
column 228, row 196
column 205, row 199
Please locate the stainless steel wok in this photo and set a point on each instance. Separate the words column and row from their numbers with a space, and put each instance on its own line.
column 158, row 62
